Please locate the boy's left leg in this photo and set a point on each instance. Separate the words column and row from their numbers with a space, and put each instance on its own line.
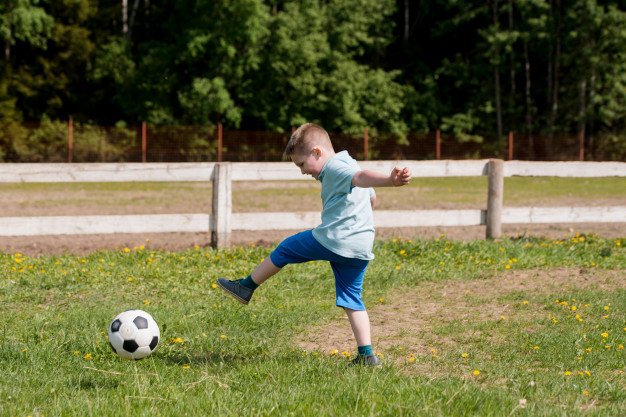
column 348, row 286
column 360, row 323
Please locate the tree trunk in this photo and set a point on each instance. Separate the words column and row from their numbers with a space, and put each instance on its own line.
column 512, row 68
column 496, row 73
column 529, row 117
column 406, row 21
column 124, row 17
column 592, row 94
column 582, row 109
column 554, row 99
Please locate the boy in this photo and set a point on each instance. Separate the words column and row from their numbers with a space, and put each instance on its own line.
column 345, row 237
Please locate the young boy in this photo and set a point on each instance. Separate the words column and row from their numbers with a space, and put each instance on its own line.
column 345, row 237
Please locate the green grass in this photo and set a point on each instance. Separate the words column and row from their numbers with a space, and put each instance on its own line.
column 161, row 197
column 236, row 360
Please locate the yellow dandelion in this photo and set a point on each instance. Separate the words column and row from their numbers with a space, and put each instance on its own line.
column 588, row 350
column 24, row 350
column 587, row 373
column 535, row 347
column 508, row 266
column 605, row 316
column 464, row 355
column 87, row 356
column 177, row 340
column 567, row 373
column 146, row 302
column 334, row 352
column 574, row 308
column 76, row 353
column 605, row 335
column 346, row 354
column 476, row 372
column 223, row 337
column 620, row 347
column 126, row 250
column 214, row 285
column 186, row 366
column 525, row 302
column 585, row 393
column 606, row 308
column 411, row 359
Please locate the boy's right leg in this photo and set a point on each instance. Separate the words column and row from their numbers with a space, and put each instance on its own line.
column 294, row 249
column 242, row 289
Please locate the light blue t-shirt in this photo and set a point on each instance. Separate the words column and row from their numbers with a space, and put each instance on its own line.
column 347, row 227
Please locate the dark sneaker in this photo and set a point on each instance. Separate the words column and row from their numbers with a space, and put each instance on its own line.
column 365, row 360
column 236, row 290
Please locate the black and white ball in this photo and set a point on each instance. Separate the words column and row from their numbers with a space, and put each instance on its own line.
column 134, row 334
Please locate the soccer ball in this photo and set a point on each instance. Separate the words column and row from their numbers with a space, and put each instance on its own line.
column 134, row 334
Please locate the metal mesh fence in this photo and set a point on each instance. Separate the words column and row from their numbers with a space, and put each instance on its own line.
column 58, row 142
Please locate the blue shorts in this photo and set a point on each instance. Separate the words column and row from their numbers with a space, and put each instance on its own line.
column 349, row 272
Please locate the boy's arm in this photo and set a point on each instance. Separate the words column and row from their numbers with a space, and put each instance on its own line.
column 367, row 178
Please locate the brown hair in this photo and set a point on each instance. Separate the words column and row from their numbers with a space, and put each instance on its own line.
column 307, row 136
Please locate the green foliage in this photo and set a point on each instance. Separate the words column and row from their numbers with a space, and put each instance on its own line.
column 391, row 66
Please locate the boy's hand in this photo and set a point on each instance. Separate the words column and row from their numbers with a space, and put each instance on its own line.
column 400, row 177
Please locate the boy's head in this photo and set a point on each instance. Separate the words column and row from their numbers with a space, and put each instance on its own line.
column 309, row 148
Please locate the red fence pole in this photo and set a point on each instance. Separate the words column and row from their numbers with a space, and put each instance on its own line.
column 144, row 141
column 219, row 142
column 366, row 145
column 438, row 145
column 70, row 140
column 581, row 145
column 511, row 144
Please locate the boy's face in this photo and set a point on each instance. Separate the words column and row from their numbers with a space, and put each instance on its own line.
column 310, row 163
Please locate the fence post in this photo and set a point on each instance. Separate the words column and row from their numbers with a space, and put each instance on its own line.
column 144, row 141
column 366, row 145
column 511, row 144
column 70, row 140
column 438, row 144
column 222, row 205
column 219, row 142
column 495, row 193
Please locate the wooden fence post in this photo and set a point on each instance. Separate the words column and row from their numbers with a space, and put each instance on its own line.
column 511, row 144
column 222, row 205
column 70, row 140
column 495, row 194
column 438, row 144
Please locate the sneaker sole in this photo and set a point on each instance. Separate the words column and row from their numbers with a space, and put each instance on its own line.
column 235, row 296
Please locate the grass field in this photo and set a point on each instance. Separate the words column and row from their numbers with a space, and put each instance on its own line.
column 553, row 350
column 422, row 193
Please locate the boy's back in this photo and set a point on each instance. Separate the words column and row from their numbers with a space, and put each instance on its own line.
column 347, row 227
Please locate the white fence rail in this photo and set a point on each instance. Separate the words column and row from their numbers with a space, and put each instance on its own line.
column 222, row 220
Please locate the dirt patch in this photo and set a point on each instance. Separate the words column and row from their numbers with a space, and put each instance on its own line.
column 404, row 321
column 84, row 244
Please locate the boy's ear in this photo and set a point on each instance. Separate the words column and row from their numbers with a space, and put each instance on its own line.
column 316, row 151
